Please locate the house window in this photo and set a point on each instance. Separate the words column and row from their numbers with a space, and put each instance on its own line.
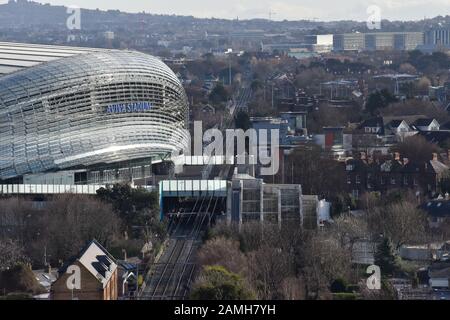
column 368, row 129
column 358, row 179
column 383, row 181
column 355, row 194
column 405, row 181
column 392, row 181
column 349, row 180
column 415, row 182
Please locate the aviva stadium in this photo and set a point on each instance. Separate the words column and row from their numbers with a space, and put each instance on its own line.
column 98, row 116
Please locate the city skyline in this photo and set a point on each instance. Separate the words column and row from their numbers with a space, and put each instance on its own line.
column 276, row 10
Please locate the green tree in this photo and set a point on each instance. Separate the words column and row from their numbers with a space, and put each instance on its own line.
column 217, row 283
column 136, row 206
column 242, row 121
column 379, row 99
column 219, row 94
column 385, row 257
column 338, row 285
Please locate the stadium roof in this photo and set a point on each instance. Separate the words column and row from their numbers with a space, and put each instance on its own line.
column 18, row 56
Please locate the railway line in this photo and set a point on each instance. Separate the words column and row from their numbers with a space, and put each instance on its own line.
column 171, row 277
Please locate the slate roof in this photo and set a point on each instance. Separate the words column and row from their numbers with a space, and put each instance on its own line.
column 423, row 122
column 437, row 208
column 96, row 260
column 435, row 136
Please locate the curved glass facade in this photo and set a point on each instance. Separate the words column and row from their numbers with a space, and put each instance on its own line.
column 99, row 107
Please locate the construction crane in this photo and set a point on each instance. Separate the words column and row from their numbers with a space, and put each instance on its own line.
column 271, row 13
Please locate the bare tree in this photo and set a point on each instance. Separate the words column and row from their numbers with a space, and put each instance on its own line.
column 269, row 266
column 224, row 252
column 416, row 148
column 71, row 221
column 401, row 222
column 11, row 254
column 348, row 229
column 323, row 260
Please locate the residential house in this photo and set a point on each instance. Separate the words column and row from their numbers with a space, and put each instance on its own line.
column 98, row 276
column 397, row 126
column 378, row 174
column 381, row 133
column 426, row 124
column 438, row 212
column 439, row 274
column 208, row 109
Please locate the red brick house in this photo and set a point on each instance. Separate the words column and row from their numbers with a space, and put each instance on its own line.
column 366, row 174
column 98, row 278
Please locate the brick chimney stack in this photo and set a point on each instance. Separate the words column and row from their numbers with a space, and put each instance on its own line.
column 397, row 156
column 435, row 156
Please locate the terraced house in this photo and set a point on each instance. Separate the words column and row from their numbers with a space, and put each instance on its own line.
column 381, row 174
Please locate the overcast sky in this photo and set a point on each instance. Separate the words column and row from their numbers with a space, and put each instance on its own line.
column 283, row 9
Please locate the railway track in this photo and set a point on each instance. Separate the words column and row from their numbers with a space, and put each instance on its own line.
column 171, row 277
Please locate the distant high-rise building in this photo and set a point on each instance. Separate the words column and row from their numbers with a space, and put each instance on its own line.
column 438, row 36
column 377, row 41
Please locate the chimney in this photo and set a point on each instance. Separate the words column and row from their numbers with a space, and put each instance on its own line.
column 362, row 155
column 435, row 156
column 397, row 156
column 405, row 161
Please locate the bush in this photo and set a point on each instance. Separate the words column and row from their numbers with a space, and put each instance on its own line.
column 339, row 285
column 345, row 296
column 217, row 283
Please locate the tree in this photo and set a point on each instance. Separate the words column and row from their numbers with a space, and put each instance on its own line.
column 135, row 206
column 224, row 252
column 379, row 99
column 70, row 221
column 219, row 94
column 315, row 171
column 269, row 266
column 322, row 260
column 242, row 121
column 338, row 285
column 416, row 149
column 11, row 254
column 416, row 107
column 400, row 221
column 348, row 229
column 385, row 258
column 217, row 283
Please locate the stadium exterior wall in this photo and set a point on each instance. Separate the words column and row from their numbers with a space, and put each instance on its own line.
column 95, row 107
